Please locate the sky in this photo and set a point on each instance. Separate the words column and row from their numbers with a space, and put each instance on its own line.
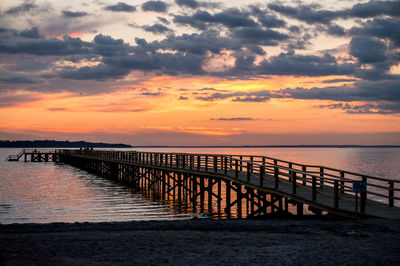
column 189, row 72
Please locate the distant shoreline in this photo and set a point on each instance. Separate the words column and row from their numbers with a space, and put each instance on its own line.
column 84, row 144
column 59, row 144
column 276, row 146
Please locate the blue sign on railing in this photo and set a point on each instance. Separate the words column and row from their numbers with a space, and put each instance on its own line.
column 359, row 186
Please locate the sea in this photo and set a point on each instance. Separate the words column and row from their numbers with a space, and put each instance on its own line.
column 55, row 192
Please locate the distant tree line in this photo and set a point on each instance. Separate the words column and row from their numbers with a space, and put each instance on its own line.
column 58, row 144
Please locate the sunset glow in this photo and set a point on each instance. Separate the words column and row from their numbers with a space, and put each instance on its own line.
column 201, row 73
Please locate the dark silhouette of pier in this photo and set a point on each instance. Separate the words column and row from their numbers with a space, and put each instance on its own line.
column 237, row 186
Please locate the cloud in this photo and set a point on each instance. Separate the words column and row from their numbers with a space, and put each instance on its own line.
column 188, row 3
column 377, row 108
column 259, row 36
column 255, row 96
column 303, row 65
column 359, row 91
column 230, row 18
column 266, row 19
column 312, row 15
column 14, row 100
column 157, row 28
column 307, row 13
column 100, row 72
column 375, row 8
column 155, row 6
column 32, row 33
column 25, row 7
column 17, row 80
column 182, row 98
column 233, row 119
column 43, row 47
column 121, row 7
column 339, row 80
column 71, row 14
column 386, row 28
column 368, row 50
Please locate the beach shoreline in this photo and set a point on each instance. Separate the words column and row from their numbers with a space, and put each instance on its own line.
column 203, row 241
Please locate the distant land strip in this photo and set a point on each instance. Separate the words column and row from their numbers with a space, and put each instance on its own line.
column 272, row 146
column 85, row 144
column 58, row 144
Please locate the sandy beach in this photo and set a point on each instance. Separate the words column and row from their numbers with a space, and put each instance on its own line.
column 203, row 241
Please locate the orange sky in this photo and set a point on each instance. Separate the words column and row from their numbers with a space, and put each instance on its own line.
column 222, row 103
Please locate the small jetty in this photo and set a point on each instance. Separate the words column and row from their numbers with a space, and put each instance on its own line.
column 35, row 155
column 237, row 186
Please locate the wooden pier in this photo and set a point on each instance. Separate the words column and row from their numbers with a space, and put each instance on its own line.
column 35, row 155
column 239, row 186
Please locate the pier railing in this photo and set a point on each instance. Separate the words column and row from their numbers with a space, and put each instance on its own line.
column 344, row 185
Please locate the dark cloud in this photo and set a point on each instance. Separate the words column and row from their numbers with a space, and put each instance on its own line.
column 266, row 19
column 100, row 72
column 233, row 119
column 25, row 7
column 182, row 98
column 375, row 8
column 311, row 14
column 71, row 14
column 360, row 91
column 13, row 100
column 67, row 46
column 335, row 30
column 307, row 13
column 230, row 18
column 157, row 28
column 163, row 20
column 377, row 108
column 339, row 80
column 146, row 92
column 303, row 65
column 386, row 28
column 256, row 96
column 156, row 6
column 368, row 50
column 188, row 3
column 32, row 33
column 259, row 36
column 17, row 80
column 121, row 7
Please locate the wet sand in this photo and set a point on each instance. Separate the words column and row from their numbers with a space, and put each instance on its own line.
column 201, row 241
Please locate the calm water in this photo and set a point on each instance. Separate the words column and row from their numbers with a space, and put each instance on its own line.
column 48, row 192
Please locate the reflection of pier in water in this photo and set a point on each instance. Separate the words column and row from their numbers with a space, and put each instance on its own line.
column 236, row 185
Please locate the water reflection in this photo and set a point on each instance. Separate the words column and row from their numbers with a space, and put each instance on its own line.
column 47, row 192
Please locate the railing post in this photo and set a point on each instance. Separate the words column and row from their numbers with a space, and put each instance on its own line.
column 236, row 168
column 262, row 170
column 226, row 165
column 290, row 171
column 341, row 182
column 251, row 161
column 241, row 163
column 248, row 172
column 294, row 182
column 304, row 169
column 198, row 162
column 191, row 161
column 183, row 161
column 321, row 174
column 336, row 194
column 391, row 193
column 276, row 174
column 363, row 196
column 314, row 188
column 206, row 163
column 215, row 164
